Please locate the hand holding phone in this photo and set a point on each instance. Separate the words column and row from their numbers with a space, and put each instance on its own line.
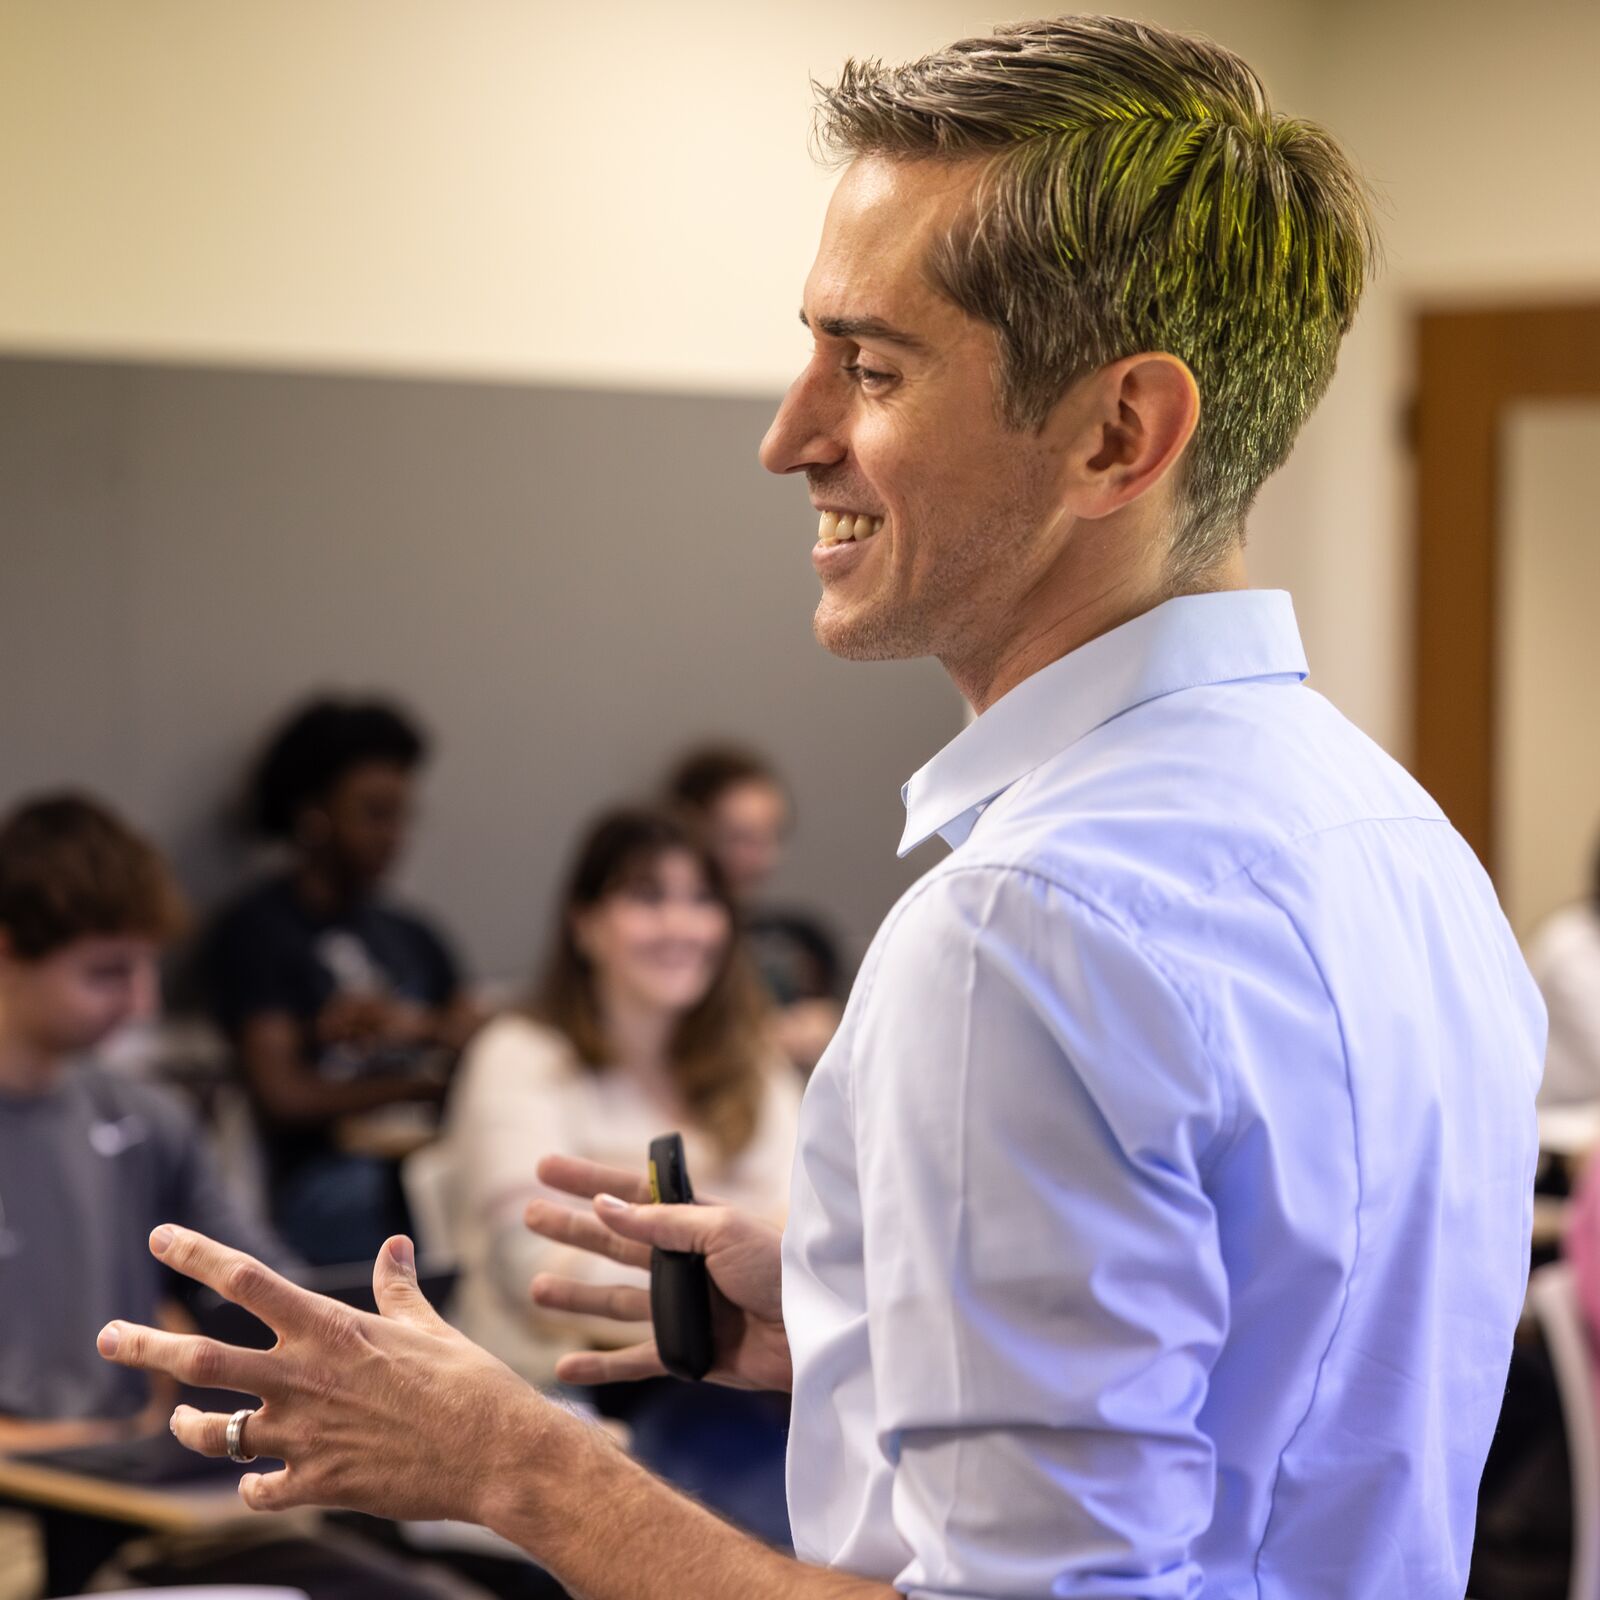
column 680, row 1290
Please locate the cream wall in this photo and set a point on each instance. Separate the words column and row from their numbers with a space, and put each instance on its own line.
column 623, row 197
column 1548, row 777
column 616, row 194
column 1479, row 126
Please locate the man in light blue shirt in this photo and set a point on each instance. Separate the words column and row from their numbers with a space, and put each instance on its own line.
column 1160, row 1218
column 1161, row 1214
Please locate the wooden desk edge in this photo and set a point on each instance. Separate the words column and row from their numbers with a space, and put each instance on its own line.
column 166, row 1510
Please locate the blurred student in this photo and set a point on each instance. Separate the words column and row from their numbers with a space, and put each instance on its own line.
column 742, row 804
column 646, row 1021
column 91, row 1162
column 1564, row 957
column 337, row 1001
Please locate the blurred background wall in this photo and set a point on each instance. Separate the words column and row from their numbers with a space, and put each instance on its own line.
column 620, row 200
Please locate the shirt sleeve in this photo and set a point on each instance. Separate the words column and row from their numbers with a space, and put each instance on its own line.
column 1045, row 1288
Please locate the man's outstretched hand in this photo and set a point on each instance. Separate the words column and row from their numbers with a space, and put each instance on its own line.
column 400, row 1416
column 743, row 1260
column 395, row 1414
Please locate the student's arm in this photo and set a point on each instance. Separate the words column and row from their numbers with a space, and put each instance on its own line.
column 454, row 1014
column 452, row 1025
column 26, row 1435
column 292, row 1094
column 448, row 1027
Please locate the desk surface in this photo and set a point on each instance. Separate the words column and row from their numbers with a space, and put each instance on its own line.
column 166, row 1507
column 391, row 1133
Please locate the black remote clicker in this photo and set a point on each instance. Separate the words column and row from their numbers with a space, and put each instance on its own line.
column 680, row 1290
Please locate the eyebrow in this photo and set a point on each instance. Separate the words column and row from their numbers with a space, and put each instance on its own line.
column 862, row 328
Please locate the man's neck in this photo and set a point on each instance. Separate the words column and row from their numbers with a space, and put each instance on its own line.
column 26, row 1068
column 1067, row 609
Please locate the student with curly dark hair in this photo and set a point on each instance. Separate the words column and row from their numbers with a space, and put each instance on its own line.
column 337, row 1001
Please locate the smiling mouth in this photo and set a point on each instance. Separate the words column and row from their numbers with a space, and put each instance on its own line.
column 836, row 527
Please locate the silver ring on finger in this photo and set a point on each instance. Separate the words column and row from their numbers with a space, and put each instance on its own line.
column 235, row 1437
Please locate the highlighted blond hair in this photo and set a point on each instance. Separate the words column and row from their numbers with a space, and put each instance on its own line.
column 1138, row 193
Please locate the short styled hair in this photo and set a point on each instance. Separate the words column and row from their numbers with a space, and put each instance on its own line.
column 71, row 869
column 1139, row 193
column 317, row 746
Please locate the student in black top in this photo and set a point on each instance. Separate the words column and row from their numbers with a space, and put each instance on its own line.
column 337, row 1002
column 744, row 812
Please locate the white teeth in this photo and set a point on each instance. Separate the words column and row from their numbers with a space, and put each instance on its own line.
column 834, row 527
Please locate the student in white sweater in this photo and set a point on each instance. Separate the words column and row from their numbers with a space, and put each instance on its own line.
column 646, row 1020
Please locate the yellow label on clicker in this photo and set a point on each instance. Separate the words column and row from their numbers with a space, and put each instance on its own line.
column 655, row 1185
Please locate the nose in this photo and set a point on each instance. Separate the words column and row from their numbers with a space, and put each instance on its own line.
column 805, row 432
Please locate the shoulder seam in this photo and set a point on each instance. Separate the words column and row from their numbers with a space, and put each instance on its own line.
column 1245, row 868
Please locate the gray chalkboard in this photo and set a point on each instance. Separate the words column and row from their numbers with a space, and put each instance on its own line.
column 566, row 584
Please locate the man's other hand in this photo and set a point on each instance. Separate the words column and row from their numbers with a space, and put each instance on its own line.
column 743, row 1258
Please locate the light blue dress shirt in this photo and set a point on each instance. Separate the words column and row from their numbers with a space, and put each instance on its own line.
column 1161, row 1211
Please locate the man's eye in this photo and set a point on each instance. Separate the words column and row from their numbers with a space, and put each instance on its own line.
column 866, row 378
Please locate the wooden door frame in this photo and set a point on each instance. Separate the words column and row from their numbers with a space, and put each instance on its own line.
column 1471, row 365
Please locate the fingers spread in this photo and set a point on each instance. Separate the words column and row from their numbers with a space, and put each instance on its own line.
column 578, row 1228
column 623, row 1302
column 236, row 1277
column 586, row 1179
column 611, row 1366
column 201, row 1363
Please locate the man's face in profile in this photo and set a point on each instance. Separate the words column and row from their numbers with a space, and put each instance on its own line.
column 896, row 423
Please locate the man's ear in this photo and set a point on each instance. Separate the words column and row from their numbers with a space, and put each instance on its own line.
column 1135, row 419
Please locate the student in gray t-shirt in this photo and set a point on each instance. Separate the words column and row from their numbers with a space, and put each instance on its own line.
column 89, row 1162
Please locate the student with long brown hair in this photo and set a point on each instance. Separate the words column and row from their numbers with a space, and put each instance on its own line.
column 646, row 1019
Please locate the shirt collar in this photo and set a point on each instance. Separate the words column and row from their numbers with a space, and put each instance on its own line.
column 1184, row 643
